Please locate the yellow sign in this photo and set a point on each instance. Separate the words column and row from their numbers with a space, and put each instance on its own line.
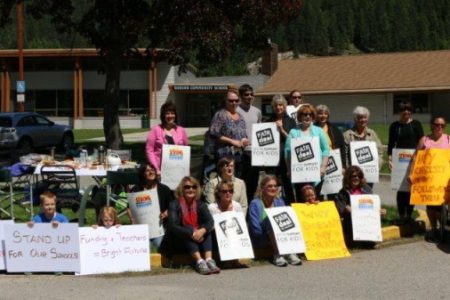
column 430, row 177
column 322, row 230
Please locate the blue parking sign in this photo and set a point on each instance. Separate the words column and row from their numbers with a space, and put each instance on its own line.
column 20, row 86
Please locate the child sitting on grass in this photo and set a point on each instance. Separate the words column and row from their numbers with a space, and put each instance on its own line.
column 48, row 214
column 107, row 218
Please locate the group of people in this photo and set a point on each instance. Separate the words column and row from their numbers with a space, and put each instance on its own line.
column 186, row 213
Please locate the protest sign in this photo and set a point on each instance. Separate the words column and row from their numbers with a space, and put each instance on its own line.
column 305, row 160
column 145, row 209
column 2, row 243
column 265, row 144
column 332, row 181
column 430, row 177
column 366, row 220
column 401, row 168
column 114, row 250
column 42, row 248
column 322, row 230
column 364, row 154
column 175, row 164
column 232, row 236
column 286, row 230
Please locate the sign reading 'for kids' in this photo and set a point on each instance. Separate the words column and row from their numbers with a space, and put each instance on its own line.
column 175, row 164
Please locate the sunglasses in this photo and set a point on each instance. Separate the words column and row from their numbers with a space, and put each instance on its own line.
column 188, row 187
column 233, row 101
column 248, row 94
column 355, row 176
column 439, row 125
column 230, row 191
column 271, row 186
column 296, row 97
column 307, row 114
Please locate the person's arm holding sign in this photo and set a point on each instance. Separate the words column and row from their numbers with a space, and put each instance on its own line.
column 325, row 152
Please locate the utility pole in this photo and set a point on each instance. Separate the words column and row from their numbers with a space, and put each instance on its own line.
column 20, row 93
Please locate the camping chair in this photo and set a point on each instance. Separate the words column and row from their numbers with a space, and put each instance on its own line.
column 62, row 180
column 10, row 198
column 124, row 179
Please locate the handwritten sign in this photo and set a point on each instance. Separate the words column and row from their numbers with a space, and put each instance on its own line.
column 286, row 230
column 364, row 154
column 322, row 230
column 401, row 168
column 42, row 248
column 430, row 177
column 366, row 221
column 114, row 250
column 145, row 209
column 175, row 164
column 332, row 181
column 265, row 144
column 2, row 243
column 232, row 236
column 305, row 160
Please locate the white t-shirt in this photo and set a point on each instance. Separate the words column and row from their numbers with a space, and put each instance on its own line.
column 214, row 208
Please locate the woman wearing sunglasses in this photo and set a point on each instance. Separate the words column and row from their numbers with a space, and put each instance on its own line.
column 404, row 134
column 190, row 225
column 224, row 199
column 267, row 196
column 437, row 139
column 306, row 116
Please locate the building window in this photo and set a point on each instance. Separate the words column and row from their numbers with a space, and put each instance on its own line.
column 420, row 102
column 132, row 102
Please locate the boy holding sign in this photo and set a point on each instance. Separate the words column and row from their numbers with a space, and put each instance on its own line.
column 48, row 214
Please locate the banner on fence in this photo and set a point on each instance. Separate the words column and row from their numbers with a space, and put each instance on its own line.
column 366, row 222
column 175, row 164
column 332, row 181
column 114, row 250
column 364, row 154
column 265, row 144
column 286, row 229
column 430, row 177
column 232, row 236
column 42, row 248
column 401, row 168
column 145, row 209
column 322, row 230
column 305, row 160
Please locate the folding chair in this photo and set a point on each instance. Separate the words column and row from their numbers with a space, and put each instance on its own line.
column 123, row 178
column 9, row 198
column 62, row 180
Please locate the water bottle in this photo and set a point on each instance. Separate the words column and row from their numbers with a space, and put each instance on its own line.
column 101, row 154
column 83, row 157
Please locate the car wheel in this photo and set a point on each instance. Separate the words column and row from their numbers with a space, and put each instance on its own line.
column 67, row 141
column 24, row 147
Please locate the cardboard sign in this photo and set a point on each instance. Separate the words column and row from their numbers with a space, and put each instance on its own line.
column 232, row 236
column 2, row 243
column 322, row 230
column 114, row 250
column 265, row 144
column 286, row 230
column 305, row 160
column 366, row 220
column 42, row 248
column 401, row 168
column 364, row 154
column 175, row 164
column 332, row 181
column 430, row 177
column 145, row 209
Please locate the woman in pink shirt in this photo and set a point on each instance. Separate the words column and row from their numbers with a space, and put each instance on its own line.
column 168, row 132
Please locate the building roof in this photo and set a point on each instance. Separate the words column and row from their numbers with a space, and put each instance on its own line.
column 369, row 73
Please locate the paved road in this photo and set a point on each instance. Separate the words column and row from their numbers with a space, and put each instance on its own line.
column 411, row 271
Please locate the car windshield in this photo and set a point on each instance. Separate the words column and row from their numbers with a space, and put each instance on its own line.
column 5, row 122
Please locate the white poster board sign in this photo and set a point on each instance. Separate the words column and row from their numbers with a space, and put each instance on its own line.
column 175, row 164
column 265, row 144
column 366, row 220
column 332, row 181
column 42, row 248
column 2, row 243
column 305, row 160
column 364, row 154
column 114, row 250
column 145, row 209
column 286, row 229
column 401, row 167
column 232, row 236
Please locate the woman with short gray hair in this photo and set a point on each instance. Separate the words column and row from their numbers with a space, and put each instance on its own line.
column 360, row 132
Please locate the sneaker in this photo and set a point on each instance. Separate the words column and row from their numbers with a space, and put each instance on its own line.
column 279, row 261
column 293, row 259
column 202, row 268
column 432, row 236
column 213, row 268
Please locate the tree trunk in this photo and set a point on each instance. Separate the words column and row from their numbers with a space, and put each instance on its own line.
column 111, row 124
